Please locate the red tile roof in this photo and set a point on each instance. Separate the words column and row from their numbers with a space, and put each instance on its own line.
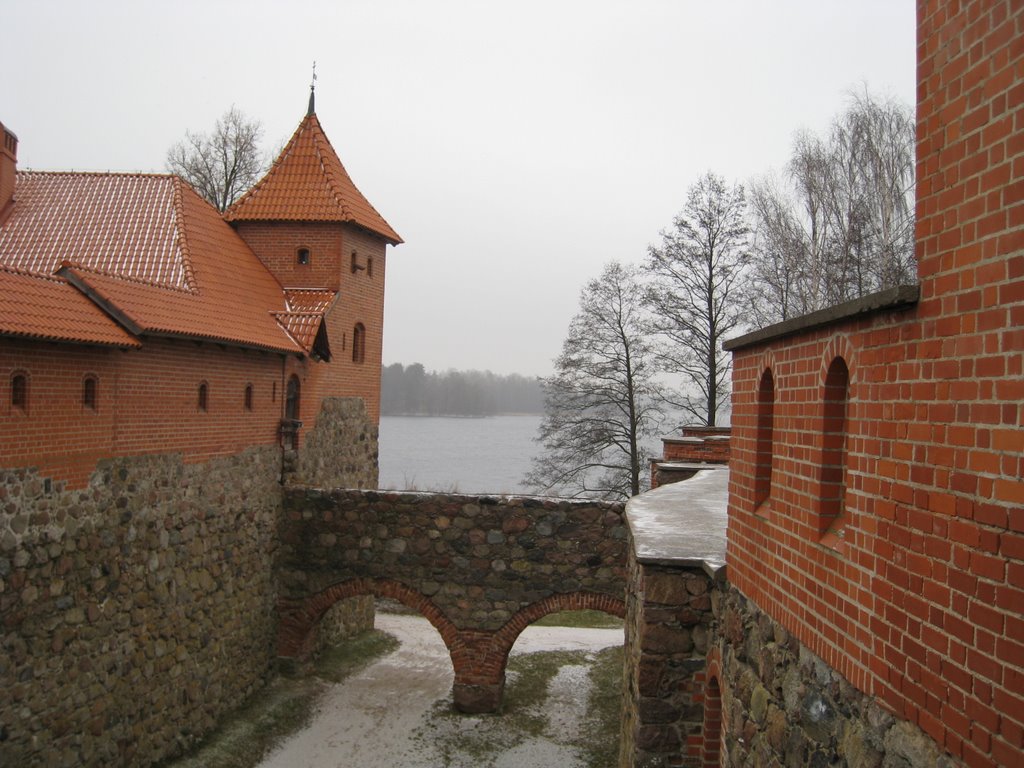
column 145, row 248
column 123, row 224
column 308, row 183
column 49, row 308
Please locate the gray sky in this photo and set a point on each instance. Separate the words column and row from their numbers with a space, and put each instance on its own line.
column 516, row 147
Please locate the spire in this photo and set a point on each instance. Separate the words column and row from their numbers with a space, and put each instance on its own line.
column 311, row 110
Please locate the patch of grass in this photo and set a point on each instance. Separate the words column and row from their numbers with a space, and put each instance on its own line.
column 464, row 740
column 582, row 619
column 601, row 729
column 243, row 738
column 343, row 660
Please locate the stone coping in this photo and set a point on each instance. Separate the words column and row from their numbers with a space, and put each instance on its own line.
column 891, row 298
column 683, row 524
column 696, row 440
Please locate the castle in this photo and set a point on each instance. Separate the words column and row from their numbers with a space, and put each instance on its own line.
column 848, row 593
column 136, row 319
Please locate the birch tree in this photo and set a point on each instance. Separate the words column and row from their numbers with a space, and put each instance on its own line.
column 697, row 283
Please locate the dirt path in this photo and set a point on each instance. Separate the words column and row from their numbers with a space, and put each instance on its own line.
column 369, row 721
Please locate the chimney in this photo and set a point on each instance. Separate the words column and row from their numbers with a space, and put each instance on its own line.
column 8, row 167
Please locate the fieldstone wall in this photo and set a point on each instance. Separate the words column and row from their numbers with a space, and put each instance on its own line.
column 341, row 449
column 784, row 706
column 136, row 611
column 479, row 559
column 345, row 619
column 669, row 624
column 480, row 569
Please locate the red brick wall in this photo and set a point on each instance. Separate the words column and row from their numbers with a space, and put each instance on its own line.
column 915, row 592
column 361, row 301
column 147, row 403
column 277, row 245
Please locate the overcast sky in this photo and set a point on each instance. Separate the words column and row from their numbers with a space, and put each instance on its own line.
column 516, row 147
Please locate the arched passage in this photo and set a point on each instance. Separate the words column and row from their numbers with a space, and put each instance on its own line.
column 299, row 618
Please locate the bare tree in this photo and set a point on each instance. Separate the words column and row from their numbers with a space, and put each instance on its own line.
column 843, row 225
column 223, row 164
column 600, row 403
column 698, row 278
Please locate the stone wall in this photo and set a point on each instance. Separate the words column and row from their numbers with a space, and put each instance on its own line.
column 345, row 619
column 668, row 629
column 341, row 449
column 136, row 611
column 782, row 705
column 478, row 559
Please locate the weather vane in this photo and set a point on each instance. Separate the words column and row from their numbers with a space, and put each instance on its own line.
column 312, row 91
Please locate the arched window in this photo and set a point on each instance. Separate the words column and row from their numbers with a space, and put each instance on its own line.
column 302, row 255
column 90, row 392
column 833, row 447
column 19, row 391
column 248, row 397
column 765, row 428
column 203, row 396
column 359, row 343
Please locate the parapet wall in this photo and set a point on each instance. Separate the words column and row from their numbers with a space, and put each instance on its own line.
column 136, row 611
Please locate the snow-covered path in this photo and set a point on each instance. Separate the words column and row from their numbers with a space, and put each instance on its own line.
column 370, row 719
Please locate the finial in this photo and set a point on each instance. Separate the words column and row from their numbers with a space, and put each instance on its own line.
column 312, row 89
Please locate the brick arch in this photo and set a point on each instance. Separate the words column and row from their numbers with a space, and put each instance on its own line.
column 506, row 637
column 838, row 346
column 298, row 618
column 713, row 725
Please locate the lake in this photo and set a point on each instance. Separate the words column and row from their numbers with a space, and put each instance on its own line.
column 463, row 455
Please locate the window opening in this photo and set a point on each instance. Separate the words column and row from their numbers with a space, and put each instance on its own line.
column 369, row 266
column 19, row 391
column 248, row 397
column 203, row 396
column 302, row 255
column 290, row 428
column 89, row 386
column 833, row 454
column 765, row 428
column 358, row 343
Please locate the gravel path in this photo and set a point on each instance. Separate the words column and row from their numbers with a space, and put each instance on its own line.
column 369, row 720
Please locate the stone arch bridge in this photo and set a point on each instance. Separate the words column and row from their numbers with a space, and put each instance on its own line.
column 480, row 569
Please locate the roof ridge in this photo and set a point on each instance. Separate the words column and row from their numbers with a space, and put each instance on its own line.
column 332, row 183
column 23, row 272
column 66, row 264
column 125, row 174
column 178, row 205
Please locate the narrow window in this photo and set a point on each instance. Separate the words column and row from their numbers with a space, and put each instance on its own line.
column 833, row 444
column 358, row 343
column 302, row 256
column 89, row 392
column 355, row 263
column 369, row 266
column 765, row 427
column 248, row 397
column 290, row 428
column 273, row 393
column 203, row 392
column 19, row 391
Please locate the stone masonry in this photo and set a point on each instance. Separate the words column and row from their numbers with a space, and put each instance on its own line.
column 479, row 568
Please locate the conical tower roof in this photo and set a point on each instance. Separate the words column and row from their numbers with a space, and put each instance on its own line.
column 307, row 182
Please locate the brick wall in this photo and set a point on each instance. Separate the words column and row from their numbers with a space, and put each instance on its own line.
column 892, row 545
column 147, row 401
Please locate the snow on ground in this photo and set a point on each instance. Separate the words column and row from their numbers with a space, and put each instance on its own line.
column 370, row 719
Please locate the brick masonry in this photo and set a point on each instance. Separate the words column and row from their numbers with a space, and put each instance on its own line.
column 908, row 581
